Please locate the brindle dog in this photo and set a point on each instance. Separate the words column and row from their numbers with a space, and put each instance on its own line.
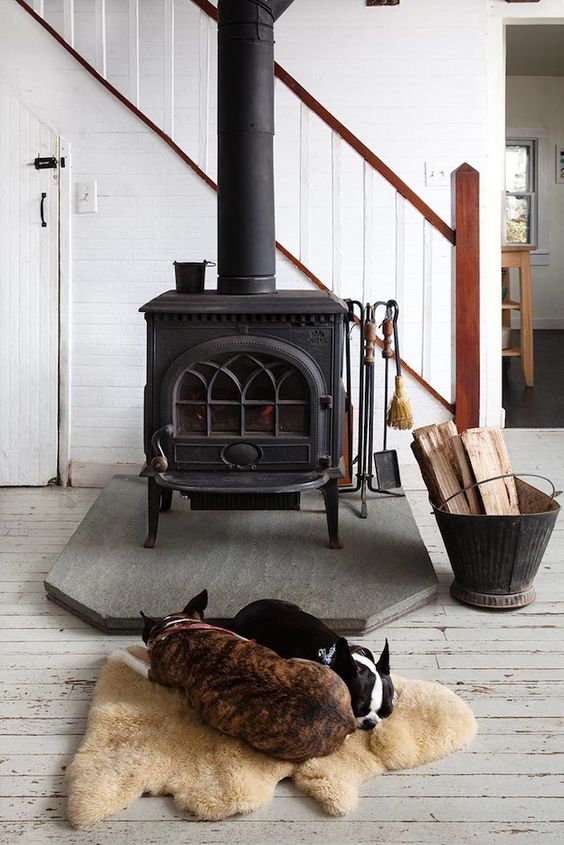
column 291, row 709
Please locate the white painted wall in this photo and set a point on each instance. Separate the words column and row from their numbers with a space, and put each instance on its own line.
column 500, row 14
column 355, row 266
column 411, row 81
column 535, row 106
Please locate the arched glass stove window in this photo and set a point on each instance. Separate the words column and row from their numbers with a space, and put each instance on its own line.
column 242, row 394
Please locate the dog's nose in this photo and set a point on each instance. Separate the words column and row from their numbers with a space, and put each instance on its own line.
column 369, row 723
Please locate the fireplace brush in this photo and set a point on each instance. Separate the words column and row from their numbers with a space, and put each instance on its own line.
column 400, row 414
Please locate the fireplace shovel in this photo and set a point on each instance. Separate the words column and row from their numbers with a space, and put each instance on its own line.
column 386, row 462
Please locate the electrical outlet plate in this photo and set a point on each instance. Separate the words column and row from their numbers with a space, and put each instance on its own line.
column 87, row 197
column 437, row 175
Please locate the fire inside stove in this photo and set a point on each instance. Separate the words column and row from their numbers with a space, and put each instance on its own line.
column 240, row 395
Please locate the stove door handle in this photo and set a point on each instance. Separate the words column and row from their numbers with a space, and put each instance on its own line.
column 160, row 463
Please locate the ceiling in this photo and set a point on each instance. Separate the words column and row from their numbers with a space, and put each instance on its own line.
column 535, row 50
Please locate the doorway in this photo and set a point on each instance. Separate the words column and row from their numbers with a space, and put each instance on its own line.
column 29, row 280
column 534, row 221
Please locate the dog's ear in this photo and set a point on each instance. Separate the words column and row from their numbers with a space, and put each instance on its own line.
column 148, row 620
column 197, row 605
column 148, row 624
column 343, row 662
column 383, row 665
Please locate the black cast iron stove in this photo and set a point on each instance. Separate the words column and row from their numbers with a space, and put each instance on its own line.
column 244, row 402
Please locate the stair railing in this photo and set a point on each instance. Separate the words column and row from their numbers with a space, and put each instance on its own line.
column 412, row 260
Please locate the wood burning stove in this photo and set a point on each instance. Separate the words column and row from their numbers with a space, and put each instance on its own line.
column 244, row 396
column 244, row 402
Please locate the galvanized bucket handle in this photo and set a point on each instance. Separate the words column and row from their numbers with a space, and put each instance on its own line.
column 553, row 495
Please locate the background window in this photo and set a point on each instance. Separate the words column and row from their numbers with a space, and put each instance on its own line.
column 521, row 192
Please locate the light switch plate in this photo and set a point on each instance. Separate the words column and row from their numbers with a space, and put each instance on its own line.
column 87, row 197
column 437, row 175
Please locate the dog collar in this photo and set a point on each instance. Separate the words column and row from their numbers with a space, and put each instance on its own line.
column 177, row 624
column 326, row 655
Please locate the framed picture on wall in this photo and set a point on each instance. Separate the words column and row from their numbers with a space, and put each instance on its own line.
column 560, row 163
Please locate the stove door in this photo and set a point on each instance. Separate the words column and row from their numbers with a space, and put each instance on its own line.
column 246, row 403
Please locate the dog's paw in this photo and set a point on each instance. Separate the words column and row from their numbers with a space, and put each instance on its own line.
column 120, row 655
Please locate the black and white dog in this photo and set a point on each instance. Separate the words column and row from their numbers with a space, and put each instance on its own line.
column 291, row 632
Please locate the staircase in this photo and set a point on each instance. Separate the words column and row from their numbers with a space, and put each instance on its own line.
column 344, row 219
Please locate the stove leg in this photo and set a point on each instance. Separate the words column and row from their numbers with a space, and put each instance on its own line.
column 154, row 502
column 331, row 495
column 166, row 499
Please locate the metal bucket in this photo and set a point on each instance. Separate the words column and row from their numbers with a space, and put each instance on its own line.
column 495, row 558
column 191, row 275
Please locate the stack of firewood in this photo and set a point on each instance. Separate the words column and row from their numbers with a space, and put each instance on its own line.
column 450, row 462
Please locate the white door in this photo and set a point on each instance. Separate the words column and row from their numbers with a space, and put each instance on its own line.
column 29, row 285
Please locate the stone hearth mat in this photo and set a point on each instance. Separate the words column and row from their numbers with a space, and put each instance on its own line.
column 106, row 576
column 143, row 738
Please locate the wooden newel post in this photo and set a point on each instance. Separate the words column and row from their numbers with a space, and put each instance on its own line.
column 466, row 223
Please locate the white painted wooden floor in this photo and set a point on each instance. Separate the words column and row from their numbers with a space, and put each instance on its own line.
column 508, row 787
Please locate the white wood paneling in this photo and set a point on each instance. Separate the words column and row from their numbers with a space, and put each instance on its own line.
column 68, row 21
column 400, row 258
column 304, row 183
column 168, row 67
column 427, row 316
column 336, row 210
column 100, row 35
column 65, row 312
column 369, row 284
column 204, row 91
column 29, row 316
column 134, row 51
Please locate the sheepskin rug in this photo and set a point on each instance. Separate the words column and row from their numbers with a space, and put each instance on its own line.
column 142, row 738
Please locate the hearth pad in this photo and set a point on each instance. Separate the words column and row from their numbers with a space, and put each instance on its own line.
column 106, row 576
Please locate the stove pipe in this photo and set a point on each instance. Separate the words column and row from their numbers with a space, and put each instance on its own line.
column 245, row 113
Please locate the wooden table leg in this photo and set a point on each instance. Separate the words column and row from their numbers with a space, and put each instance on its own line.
column 527, row 361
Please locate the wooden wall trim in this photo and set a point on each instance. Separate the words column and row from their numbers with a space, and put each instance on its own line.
column 466, row 213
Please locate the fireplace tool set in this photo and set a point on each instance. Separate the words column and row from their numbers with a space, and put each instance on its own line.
column 397, row 414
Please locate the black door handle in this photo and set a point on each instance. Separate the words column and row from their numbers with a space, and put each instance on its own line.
column 43, row 197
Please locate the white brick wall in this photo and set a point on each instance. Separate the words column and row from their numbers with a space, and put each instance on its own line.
column 409, row 80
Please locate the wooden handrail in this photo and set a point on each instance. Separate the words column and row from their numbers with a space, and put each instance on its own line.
column 114, row 91
column 192, row 164
column 357, row 145
column 466, row 214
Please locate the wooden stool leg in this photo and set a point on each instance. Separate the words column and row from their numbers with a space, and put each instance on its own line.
column 526, row 297
column 505, row 283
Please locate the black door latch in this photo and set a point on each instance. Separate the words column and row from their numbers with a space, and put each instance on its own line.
column 45, row 162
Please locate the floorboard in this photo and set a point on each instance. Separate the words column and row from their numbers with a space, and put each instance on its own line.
column 541, row 406
column 507, row 787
